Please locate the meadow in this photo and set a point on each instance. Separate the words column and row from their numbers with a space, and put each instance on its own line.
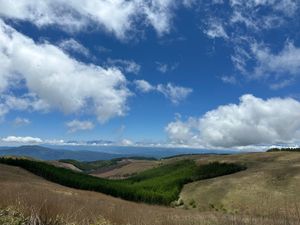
column 161, row 185
column 28, row 199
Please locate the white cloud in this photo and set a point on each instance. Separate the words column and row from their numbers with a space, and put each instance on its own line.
column 281, row 84
column 229, row 79
column 58, row 80
column 284, row 63
column 74, row 46
column 126, row 142
column 288, row 7
column 21, row 140
column 253, row 121
column 181, row 132
column 189, row 3
column 244, row 23
column 159, row 14
column 216, row 30
column 258, row 16
column 143, row 86
column 174, row 93
column 164, row 68
column 128, row 66
column 77, row 125
column 28, row 102
column 278, row 68
column 115, row 16
column 21, row 121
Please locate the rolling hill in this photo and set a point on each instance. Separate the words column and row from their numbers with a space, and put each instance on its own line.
column 267, row 193
column 270, row 185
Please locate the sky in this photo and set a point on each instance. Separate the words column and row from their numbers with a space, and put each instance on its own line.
column 205, row 74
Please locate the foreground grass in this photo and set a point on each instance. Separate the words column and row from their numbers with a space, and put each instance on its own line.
column 15, row 216
column 160, row 185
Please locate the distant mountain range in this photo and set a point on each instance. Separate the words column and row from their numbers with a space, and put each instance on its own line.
column 93, row 153
column 45, row 153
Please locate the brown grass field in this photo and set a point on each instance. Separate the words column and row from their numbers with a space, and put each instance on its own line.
column 127, row 169
column 65, row 165
column 267, row 193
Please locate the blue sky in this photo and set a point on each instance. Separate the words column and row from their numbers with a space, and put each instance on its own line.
column 205, row 74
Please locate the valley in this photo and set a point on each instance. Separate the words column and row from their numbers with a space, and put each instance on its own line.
column 265, row 193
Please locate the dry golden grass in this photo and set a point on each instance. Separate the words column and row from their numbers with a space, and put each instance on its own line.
column 65, row 165
column 128, row 169
column 43, row 202
column 271, row 183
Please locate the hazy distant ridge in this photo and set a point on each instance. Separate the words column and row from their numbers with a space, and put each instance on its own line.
column 45, row 153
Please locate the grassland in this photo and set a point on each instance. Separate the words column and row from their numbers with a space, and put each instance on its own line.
column 269, row 186
column 127, row 168
column 160, row 185
column 28, row 198
column 119, row 168
column 88, row 167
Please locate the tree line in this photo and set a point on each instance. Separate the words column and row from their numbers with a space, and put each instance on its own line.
column 284, row 150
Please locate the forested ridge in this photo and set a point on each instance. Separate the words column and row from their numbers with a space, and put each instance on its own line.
column 284, row 150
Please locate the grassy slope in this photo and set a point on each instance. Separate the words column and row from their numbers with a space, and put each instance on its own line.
column 271, row 182
column 119, row 168
column 128, row 169
column 160, row 185
column 34, row 194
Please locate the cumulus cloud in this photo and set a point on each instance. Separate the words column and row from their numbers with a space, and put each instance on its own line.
column 117, row 17
column 174, row 93
column 21, row 140
column 59, row 81
column 77, row 125
column 253, row 121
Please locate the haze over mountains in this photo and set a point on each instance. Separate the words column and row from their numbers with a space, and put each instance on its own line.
column 45, row 153
column 92, row 153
